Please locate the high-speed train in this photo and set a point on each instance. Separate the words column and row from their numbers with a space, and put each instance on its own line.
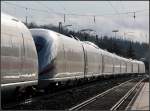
column 41, row 57
column 62, row 58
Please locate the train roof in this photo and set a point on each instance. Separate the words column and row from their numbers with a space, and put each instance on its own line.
column 41, row 31
column 92, row 44
column 14, row 26
column 136, row 61
column 8, row 17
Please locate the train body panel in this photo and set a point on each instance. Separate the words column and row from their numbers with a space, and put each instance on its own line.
column 135, row 66
column 123, row 66
column 141, row 67
column 74, row 58
column 93, row 60
column 108, row 63
column 129, row 66
column 117, row 64
column 19, row 65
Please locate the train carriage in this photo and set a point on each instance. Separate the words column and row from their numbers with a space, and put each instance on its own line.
column 74, row 58
column 67, row 61
column 19, row 65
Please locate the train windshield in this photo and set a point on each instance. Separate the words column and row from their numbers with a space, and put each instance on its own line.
column 39, row 43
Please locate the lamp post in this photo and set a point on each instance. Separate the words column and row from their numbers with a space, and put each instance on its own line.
column 26, row 17
column 60, row 27
column 115, row 31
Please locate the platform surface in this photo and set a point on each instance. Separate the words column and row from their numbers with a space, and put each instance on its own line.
column 142, row 101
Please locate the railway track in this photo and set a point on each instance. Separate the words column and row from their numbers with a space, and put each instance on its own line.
column 132, row 100
column 116, row 98
column 64, row 99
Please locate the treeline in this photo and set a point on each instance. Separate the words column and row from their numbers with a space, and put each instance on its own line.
column 124, row 48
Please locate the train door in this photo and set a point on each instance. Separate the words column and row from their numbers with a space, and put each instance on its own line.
column 85, row 60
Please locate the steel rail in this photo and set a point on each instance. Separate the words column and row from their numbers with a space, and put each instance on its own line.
column 133, row 99
column 119, row 103
column 79, row 106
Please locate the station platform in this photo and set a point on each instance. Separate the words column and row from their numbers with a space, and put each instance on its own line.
column 142, row 101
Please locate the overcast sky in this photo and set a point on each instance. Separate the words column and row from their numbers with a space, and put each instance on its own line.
column 107, row 17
